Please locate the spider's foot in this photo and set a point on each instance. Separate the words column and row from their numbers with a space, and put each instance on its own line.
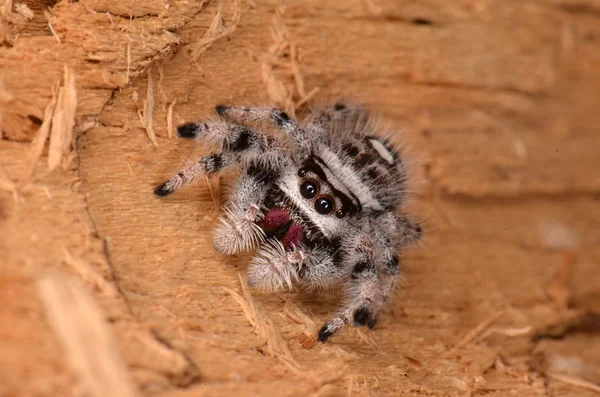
column 221, row 110
column 164, row 190
column 363, row 316
column 331, row 327
column 189, row 130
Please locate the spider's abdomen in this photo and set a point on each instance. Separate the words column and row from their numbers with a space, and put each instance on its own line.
column 378, row 167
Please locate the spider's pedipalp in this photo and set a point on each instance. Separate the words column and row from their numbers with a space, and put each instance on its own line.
column 238, row 230
column 312, row 267
column 273, row 267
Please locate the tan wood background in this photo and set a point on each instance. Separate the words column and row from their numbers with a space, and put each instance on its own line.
column 109, row 291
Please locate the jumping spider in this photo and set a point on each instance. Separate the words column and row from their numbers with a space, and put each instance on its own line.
column 319, row 203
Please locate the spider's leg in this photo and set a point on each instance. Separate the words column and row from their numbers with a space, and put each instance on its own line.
column 276, row 117
column 402, row 229
column 206, row 165
column 372, row 281
column 338, row 121
column 340, row 112
column 407, row 231
column 240, row 144
column 238, row 230
column 232, row 137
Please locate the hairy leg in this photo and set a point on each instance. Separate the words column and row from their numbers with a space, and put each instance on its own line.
column 276, row 117
column 373, row 276
column 238, row 230
column 340, row 112
column 238, row 143
column 232, row 137
column 404, row 230
column 206, row 165
column 367, row 291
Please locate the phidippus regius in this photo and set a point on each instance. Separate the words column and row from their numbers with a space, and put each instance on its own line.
column 320, row 202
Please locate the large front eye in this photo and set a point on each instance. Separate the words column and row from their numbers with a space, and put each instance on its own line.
column 323, row 206
column 308, row 189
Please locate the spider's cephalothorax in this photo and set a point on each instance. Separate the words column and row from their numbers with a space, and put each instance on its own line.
column 320, row 205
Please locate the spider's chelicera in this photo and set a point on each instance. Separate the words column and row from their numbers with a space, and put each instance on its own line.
column 321, row 204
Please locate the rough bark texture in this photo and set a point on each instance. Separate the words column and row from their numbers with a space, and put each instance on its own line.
column 498, row 100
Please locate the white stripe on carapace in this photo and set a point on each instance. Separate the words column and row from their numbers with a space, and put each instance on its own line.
column 382, row 150
column 348, row 177
column 334, row 181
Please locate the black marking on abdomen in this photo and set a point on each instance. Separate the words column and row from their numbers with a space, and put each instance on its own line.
column 373, row 173
column 350, row 149
column 363, row 159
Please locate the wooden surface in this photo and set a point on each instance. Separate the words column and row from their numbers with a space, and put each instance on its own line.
column 497, row 100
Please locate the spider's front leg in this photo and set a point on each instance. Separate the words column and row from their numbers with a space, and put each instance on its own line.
column 276, row 117
column 372, row 281
column 239, row 144
column 207, row 165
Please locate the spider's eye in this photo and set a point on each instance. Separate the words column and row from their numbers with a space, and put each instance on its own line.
column 323, row 206
column 308, row 189
column 340, row 213
column 301, row 172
